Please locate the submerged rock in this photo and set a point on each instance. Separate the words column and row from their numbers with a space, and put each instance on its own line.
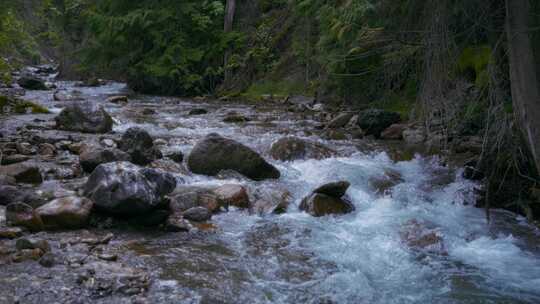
column 294, row 148
column 68, row 212
column 318, row 204
column 418, row 236
column 216, row 153
column 85, row 117
column 124, row 189
column 374, row 121
column 140, row 146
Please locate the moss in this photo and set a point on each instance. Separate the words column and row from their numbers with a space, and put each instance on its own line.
column 396, row 103
column 473, row 62
column 23, row 106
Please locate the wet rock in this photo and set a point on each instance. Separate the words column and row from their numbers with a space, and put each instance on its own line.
column 383, row 183
column 471, row 171
column 340, row 121
column 77, row 148
column 294, row 148
column 65, row 96
column 160, row 142
column 118, row 99
column 26, row 255
column 20, row 214
column 7, row 180
column 271, row 201
column 414, row 136
column 66, row 213
column 176, row 156
column 215, row 153
column 394, row 132
column 103, row 278
column 419, row 236
column 232, row 195
column 140, row 146
column 336, row 189
column 85, row 117
column 320, row 205
column 92, row 157
column 186, row 197
column 470, row 144
column 235, row 118
column 176, row 223
column 10, row 232
column 30, row 243
column 374, row 121
column 25, row 172
column 14, row 159
column 47, row 149
column 108, row 257
column 124, row 189
column 11, row 194
column 25, row 148
column 334, row 135
column 198, row 111
column 109, row 143
column 48, row 260
column 170, row 166
column 151, row 219
column 148, row 111
column 197, row 214
column 31, row 82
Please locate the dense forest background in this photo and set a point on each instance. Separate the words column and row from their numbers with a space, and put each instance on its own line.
column 468, row 71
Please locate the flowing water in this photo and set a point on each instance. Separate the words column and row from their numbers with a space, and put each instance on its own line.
column 361, row 257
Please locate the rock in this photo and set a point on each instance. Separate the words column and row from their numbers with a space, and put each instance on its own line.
column 357, row 133
column 170, row 166
column 293, row 148
column 176, row 156
column 271, row 201
column 48, row 260
column 471, row 144
column 334, row 135
column 85, row 117
column 25, row 172
column 25, row 148
column 186, row 197
column 337, row 189
column 418, row 236
column 471, row 171
column 148, row 111
column 26, row 255
column 340, row 121
column 176, row 223
column 64, row 96
column 20, row 214
column 117, row 99
column 216, row 153
column 109, row 143
column 235, row 118
column 108, row 257
column 11, row 194
column 47, row 149
column 66, row 213
column 394, row 132
column 198, row 111
column 92, row 157
column 140, row 146
column 232, row 195
column 10, row 232
column 320, row 205
column 373, row 122
column 160, row 142
column 414, row 136
column 30, row 82
column 301, row 100
column 197, row 214
column 78, row 148
column 7, row 181
column 124, row 189
column 14, row 159
column 29, row 243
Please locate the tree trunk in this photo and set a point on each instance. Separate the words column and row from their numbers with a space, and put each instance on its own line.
column 227, row 27
column 523, row 74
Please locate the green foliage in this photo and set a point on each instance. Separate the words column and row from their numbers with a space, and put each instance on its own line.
column 278, row 90
column 23, row 107
column 475, row 61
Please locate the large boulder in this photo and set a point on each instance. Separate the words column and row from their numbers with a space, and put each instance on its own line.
column 20, row 214
column 328, row 199
column 66, row 213
column 25, row 172
column 216, row 153
column 124, row 189
column 271, row 200
column 85, row 117
column 294, row 148
column 374, row 121
column 232, row 195
column 321, row 204
column 92, row 157
column 186, row 197
column 31, row 82
column 140, row 146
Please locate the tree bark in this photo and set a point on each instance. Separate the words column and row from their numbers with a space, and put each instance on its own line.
column 523, row 74
column 230, row 10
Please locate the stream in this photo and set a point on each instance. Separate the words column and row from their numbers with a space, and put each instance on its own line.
column 360, row 257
